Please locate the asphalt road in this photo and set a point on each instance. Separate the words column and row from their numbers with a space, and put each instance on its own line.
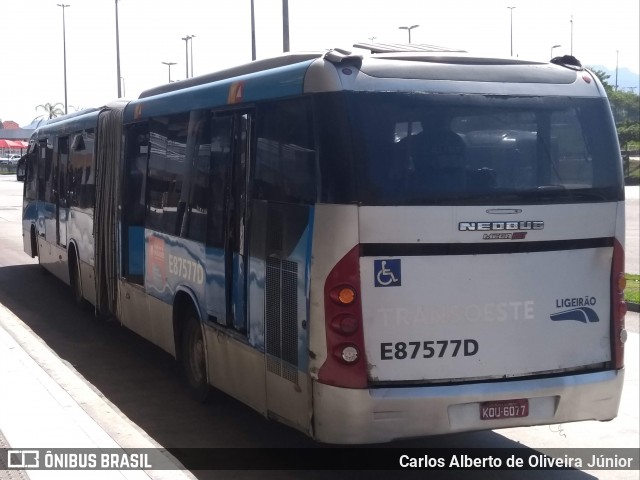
column 143, row 382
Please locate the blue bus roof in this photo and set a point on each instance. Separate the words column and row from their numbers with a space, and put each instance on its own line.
column 282, row 81
column 70, row 123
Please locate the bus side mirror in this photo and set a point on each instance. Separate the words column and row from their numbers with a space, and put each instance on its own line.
column 21, row 170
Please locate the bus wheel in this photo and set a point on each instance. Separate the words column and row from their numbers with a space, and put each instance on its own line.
column 34, row 243
column 194, row 364
column 76, row 285
column 43, row 269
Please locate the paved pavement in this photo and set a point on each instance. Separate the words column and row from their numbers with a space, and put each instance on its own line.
column 45, row 402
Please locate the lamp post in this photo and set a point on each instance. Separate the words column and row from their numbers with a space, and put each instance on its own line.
column 552, row 48
column 285, row 25
column 511, row 14
column 186, row 54
column 64, row 50
column 191, row 59
column 571, row 21
column 408, row 29
column 253, row 33
column 118, row 53
column 617, row 53
column 168, row 64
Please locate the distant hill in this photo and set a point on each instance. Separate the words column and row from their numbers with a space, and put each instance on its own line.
column 626, row 78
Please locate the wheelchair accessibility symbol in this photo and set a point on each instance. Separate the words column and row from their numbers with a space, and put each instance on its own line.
column 387, row 273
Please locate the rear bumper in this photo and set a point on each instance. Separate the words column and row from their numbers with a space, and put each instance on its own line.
column 350, row 416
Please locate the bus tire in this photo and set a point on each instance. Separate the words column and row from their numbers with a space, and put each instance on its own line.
column 74, row 279
column 34, row 243
column 194, row 365
column 43, row 269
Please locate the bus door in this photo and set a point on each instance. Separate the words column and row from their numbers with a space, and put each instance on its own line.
column 237, row 210
column 133, row 215
column 48, row 217
column 61, row 163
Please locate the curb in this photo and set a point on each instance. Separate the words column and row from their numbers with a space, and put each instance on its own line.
column 633, row 307
column 85, row 399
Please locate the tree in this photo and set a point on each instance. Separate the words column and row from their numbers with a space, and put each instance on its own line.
column 51, row 110
column 625, row 107
column 604, row 79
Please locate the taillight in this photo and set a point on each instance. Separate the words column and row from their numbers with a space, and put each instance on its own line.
column 346, row 365
column 618, row 305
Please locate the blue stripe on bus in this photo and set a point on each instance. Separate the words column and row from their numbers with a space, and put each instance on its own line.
column 303, row 333
column 71, row 125
column 277, row 83
column 136, row 250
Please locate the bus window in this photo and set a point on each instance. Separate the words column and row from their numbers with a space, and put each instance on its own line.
column 80, row 171
column 510, row 150
column 285, row 168
column 168, row 138
column 220, row 163
column 136, row 158
column 199, row 159
column 31, row 174
column 43, row 170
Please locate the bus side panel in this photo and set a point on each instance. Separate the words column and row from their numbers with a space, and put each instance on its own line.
column 80, row 234
column 54, row 259
column 147, row 316
column 172, row 264
column 281, row 253
column 29, row 219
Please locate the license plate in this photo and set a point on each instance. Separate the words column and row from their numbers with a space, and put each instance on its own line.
column 504, row 409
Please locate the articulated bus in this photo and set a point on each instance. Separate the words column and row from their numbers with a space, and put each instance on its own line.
column 365, row 247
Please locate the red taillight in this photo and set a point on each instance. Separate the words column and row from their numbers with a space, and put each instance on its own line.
column 618, row 305
column 345, row 324
column 346, row 365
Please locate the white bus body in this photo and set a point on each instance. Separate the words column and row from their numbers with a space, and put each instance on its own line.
column 366, row 248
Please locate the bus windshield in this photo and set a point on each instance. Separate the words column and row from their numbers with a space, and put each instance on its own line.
column 421, row 149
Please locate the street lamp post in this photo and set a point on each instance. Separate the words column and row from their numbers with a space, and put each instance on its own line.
column 571, row 21
column 253, row 33
column 168, row 64
column 408, row 29
column 64, row 50
column 191, row 59
column 118, row 53
column 186, row 54
column 554, row 47
column 285, row 25
column 617, row 53
column 511, row 14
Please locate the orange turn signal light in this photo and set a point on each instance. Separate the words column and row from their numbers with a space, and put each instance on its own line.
column 343, row 295
column 622, row 282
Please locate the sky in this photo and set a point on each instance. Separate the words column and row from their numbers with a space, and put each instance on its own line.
column 151, row 32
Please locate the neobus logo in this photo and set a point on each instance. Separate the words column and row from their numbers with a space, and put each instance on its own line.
column 500, row 226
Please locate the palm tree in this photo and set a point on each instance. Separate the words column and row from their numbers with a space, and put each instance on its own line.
column 51, row 110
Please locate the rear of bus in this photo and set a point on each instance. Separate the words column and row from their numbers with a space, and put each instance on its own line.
column 468, row 258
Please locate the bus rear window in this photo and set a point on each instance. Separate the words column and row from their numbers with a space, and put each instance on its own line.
column 419, row 149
